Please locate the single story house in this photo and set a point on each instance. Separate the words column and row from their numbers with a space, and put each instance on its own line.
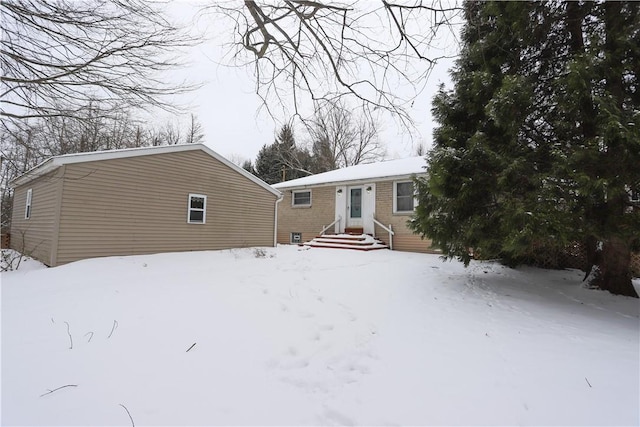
column 139, row 201
column 376, row 199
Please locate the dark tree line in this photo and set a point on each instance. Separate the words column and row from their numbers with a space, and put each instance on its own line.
column 335, row 138
column 539, row 140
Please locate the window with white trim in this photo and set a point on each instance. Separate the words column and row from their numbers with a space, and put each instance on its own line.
column 27, row 207
column 301, row 198
column 403, row 197
column 197, row 209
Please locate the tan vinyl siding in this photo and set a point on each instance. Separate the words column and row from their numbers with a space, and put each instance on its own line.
column 35, row 236
column 138, row 205
column 307, row 220
column 404, row 239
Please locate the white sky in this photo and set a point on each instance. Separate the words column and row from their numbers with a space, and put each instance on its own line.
column 229, row 109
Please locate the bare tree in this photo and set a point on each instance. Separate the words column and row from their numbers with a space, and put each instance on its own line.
column 340, row 138
column 171, row 134
column 195, row 133
column 26, row 143
column 420, row 150
column 60, row 56
column 361, row 51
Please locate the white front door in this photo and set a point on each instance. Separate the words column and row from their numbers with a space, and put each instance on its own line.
column 354, row 206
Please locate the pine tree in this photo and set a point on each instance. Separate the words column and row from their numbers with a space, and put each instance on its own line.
column 268, row 166
column 601, row 94
column 282, row 160
column 522, row 156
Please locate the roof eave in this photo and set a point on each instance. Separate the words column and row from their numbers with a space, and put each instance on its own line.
column 352, row 181
column 35, row 172
column 54, row 162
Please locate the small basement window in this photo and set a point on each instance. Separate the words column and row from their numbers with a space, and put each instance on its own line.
column 403, row 197
column 197, row 209
column 27, row 208
column 301, row 198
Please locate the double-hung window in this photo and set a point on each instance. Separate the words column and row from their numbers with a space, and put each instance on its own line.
column 301, row 198
column 403, row 197
column 27, row 208
column 197, row 209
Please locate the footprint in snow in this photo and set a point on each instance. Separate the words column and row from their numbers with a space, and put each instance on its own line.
column 333, row 417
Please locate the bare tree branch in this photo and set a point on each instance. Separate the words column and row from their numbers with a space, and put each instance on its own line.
column 57, row 57
column 339, row 137
column 375, row 55
column 59, row 388
column 129, row 414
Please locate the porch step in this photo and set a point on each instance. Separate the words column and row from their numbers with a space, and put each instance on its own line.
column 361, row 242
column 354, row 230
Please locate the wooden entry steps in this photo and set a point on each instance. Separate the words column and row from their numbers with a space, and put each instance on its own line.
column 360, row 242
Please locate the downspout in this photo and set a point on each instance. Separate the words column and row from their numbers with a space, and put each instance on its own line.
column 275, row 221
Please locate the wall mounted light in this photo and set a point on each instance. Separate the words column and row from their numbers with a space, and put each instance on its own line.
column 369, row 189
column 339, row 191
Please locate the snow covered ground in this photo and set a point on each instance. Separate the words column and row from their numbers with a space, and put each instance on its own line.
column 298, row 336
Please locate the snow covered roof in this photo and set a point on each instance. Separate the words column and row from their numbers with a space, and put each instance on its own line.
column 379, row 171
column 55, row 162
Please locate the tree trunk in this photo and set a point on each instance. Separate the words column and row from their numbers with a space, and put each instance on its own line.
column 613, row 273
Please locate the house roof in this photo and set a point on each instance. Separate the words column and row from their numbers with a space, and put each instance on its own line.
column 382, row 170
column 55, row 162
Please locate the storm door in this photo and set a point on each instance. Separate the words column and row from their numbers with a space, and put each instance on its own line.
column 354, row 207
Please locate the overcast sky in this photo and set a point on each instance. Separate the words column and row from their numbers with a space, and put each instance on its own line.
column 229, row 109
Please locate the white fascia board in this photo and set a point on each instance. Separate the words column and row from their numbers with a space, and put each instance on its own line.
column 33, row 173
column 404, row 177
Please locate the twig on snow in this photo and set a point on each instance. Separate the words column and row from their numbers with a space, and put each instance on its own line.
column 59, row 388
column 192, row 345
column 113, row 328
column 90, row 336
column 128, row 413
column 590, row 386
column 69, row 333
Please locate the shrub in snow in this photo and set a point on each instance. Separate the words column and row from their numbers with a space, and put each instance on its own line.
column 10, row 260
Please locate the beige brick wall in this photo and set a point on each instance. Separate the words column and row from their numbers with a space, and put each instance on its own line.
column 404, row 239
column 306, row 220
column 309, row 221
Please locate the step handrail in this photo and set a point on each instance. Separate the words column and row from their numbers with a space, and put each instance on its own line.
column 330, row 225
column 388, row 229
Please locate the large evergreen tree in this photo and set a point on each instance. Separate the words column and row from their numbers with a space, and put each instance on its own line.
column 538, row 142
column 282, row 160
